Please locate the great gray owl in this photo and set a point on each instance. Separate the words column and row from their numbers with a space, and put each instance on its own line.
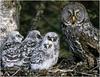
column 30, row 43
column 10, row 54
column 79, row 32
column 46, row 55
column 53, row 37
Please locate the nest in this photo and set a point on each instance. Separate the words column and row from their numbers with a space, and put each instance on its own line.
column 62, row 68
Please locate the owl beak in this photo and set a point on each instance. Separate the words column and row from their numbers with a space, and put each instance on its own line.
column 52, row 39
column 46, row 46
column 73, row 19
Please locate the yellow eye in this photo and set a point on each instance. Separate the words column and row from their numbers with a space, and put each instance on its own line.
column 78, row 13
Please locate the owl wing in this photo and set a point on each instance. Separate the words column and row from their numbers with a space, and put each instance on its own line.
column 11, row 56
column 5, row 47
column 90, row 36
column 73, row 42
column 3, row 50
column 39, row 56
column 28, row 46
column 26, row 50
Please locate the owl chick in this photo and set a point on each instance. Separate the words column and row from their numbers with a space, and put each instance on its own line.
column 79, row 32
column 10, row 55
column 46, row 55
column 31, row 41
column 54, row 38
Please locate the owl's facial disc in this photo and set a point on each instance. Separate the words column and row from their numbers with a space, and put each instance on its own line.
column 52, row 38
column 47, row 44
column 18, row 38
column 15, row 36
column 73, row 14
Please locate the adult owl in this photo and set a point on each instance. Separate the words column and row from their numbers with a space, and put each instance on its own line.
column 10, row 55
column 46, row 55
column 31, row 41
column 79, row 32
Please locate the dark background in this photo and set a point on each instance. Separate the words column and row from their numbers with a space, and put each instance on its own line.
column 45, row 16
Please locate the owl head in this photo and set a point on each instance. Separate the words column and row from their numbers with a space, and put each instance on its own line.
column 53, row 37
column 34, row 34
column 74, row 13
column 14, row 36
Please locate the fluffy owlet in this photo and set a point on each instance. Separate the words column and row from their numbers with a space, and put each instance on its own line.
column 10, row 55
column 31, row 41
column 53, row 37
column 79, row 32
column 46, row 55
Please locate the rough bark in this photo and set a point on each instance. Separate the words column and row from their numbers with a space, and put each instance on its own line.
column 8, row 18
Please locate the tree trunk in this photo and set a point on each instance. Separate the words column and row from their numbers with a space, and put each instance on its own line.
column 8, row 18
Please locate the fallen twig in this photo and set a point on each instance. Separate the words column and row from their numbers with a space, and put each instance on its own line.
column 69, row 70
column 61, row 70
column 93, row 68
column 80, row 63
column 16, row 72
column 60, row 63
column 83, row 73
column 7, row 73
